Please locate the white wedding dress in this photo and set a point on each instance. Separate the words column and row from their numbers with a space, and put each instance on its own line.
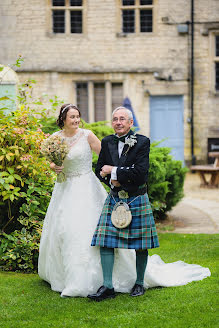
column 67, row 261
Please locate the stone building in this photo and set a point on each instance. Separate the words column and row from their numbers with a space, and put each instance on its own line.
column 97, row 52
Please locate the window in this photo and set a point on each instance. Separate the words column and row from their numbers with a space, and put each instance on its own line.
column 216, row 63
column 82, row 99
column 137, row 16
column 117, row 95
column 67, row 16
column 97, row 100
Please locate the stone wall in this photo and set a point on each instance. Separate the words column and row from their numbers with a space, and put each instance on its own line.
column 103, row 53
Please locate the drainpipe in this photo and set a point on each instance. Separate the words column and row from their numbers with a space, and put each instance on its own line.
column 192, row 83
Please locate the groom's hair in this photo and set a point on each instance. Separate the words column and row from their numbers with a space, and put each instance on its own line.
column 130, row 115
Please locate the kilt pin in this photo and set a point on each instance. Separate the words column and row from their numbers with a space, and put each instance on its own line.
column 132, row 173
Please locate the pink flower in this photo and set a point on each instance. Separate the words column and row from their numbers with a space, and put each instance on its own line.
column 26, row 158
column 19, row 130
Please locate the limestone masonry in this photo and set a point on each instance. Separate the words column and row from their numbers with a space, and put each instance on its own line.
column 103, row 64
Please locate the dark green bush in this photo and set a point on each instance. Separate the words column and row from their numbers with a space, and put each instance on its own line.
column 165, row 181
column 100, row 129
column 19, row 250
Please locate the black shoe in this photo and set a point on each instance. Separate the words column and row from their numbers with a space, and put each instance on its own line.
column 102, row 294
column 137, row 290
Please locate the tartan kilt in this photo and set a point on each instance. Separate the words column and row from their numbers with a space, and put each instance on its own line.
column 140, row 234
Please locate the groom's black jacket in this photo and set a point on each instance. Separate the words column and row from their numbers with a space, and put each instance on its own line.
column 132, row 170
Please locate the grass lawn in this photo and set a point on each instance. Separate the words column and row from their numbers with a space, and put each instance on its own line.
column 27, row 301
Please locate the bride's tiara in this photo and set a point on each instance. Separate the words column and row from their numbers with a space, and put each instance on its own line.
column 70, row 105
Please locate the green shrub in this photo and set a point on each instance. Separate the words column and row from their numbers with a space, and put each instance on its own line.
column 26, row 183
column 165, row 181
column 19, row 249
column 100, row 129
column 25, row 177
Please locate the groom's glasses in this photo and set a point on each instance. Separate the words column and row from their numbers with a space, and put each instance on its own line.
column 122, row 119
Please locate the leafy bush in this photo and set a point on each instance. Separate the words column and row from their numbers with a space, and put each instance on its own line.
column 165, row 181
column 100, row 129
column 26, row 183
column 19, row 249
column 25, row 177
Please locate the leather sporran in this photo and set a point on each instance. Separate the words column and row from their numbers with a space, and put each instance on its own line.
column 121, row 215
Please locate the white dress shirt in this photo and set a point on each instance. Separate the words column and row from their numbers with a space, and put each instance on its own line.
column 114, row 169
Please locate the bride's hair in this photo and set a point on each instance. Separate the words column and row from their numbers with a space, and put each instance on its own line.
column 63, row 112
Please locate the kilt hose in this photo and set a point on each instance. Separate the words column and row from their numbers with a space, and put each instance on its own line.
column 140, row 234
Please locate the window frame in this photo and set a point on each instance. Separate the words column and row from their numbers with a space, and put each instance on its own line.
column 67, row 8
column 213, row 60
column 137, row 7
column 108, row 85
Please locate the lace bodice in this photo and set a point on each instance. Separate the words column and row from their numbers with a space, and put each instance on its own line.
column 79, row 159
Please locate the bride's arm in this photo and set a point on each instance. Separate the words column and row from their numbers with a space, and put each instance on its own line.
column 94, row 143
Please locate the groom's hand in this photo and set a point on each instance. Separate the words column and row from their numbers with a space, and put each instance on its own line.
column 106, row 169
column 115, row 183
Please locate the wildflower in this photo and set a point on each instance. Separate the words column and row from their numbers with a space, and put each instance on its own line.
column 26, row 158
column 19, row 130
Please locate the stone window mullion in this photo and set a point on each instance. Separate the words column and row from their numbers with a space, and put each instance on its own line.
column 91, row 112
column 108, row 88
column 67, row 21
column 137, row 20
column 216, row 62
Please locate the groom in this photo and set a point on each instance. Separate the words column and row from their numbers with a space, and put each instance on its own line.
column 123, row 165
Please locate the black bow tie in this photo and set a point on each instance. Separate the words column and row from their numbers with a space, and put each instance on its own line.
column 117, row 139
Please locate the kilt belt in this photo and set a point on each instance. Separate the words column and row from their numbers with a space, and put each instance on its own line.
column 126, row 194
column 140, row 234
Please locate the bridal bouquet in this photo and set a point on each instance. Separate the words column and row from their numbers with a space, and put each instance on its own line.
column 55, row 150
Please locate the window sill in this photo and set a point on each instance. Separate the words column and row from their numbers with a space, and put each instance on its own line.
column 64, row 35
column 214, row 93
column 133, row 35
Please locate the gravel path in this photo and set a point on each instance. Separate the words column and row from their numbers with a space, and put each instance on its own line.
column 198, row 211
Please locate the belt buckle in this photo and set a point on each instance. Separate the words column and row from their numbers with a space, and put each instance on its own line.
column 123, row 194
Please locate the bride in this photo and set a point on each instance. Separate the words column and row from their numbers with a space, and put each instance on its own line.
column 66, row 260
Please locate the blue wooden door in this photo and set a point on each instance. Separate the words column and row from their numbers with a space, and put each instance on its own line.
column 167, row 122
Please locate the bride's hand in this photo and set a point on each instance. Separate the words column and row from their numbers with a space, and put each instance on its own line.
column 56, row 168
